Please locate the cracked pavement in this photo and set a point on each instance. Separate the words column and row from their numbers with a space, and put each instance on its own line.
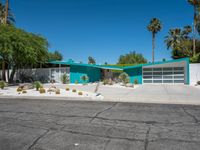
column 78, row 125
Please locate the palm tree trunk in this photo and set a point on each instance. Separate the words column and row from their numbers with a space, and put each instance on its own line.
column 153, row 46
column 6, row 12
column 194, row 32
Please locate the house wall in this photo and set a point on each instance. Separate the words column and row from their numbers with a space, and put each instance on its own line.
column 135, row 73
column 194, row 73
column 76, row 72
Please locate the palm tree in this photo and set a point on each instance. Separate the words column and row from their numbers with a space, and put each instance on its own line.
column 154, row 27
column 196, row 5
column 6, row 16
column 174, row 38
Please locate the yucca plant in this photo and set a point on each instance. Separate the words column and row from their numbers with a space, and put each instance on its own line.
column 65, row 78
column 124, row 78
column 38, row 85
column 85, row 78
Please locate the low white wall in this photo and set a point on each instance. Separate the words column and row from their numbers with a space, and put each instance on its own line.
column 41, row 74
column 194, row 73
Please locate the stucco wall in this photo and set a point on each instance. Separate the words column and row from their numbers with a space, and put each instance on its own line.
column 135, row 74
column 194, row 73
column 76, row 72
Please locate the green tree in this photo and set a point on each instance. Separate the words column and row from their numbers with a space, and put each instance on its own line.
column 21, row 49
column 132, row 58
column 6, row 18
column 91, row 60
column 56, row 55
column 154, row 27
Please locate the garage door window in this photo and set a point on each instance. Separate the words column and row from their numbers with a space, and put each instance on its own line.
column 163, row 75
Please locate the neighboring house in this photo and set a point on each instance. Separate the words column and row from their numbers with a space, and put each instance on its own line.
column 167, row 72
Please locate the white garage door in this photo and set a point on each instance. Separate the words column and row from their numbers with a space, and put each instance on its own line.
column 163, row 75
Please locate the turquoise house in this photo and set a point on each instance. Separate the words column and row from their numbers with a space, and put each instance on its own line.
column 166, row 72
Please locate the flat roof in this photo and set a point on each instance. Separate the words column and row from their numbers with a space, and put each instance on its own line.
column 71, row 62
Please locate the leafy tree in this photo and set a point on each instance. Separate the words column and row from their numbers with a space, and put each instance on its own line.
column 91, row 60
column 132, row 58
column 154, row 27
column 55, row 56
column 21, row 49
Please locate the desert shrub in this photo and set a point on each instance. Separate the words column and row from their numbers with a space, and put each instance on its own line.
column 19, row 89
column 42, row 90
column 74, row 90
column 24, row 92
column 57, row 91
column 76, row 82
column 65, row 78
column 124, row 78
column 38, row 85
column 80, row 93
column 2, row 84
column 105, row 81
column 198, row 82
column 85, row 78
column 67, row 89
column 136, row 81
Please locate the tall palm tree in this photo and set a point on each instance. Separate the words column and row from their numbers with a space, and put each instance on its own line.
column 154, row 27
column 196, row 5
column 6, row 16
column 173, row 39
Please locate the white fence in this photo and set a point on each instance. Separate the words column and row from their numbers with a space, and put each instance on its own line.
column 194, row 73
column 41, row 74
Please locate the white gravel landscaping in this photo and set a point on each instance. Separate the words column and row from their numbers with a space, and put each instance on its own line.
column 12, row 91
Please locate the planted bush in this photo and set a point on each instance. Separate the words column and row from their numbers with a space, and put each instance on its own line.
column 80, row 93
column 57, row 91
column 124, row 78
column 198, row 82
column 74, row 90
column 24, row 92
column 38, row 85
column 105, row 81
column 19, row 89
column 136, row 81
column 85, row 78
column 67, row 89
column 76, row 82
column 65, row 78
column 42, row 90
column 2, row 84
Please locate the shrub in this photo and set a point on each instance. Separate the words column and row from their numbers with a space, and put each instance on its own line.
column 38, row 85
column 57, row 91
column 24, row 92
column 42, row 90
column 85, row 78
column 76, row 82
column 67, row 89
column 19, row 89
column 65, row 78
column 198, row 82
column 136, row 81
column 124, row 78
column 105, row 81
column 2, row 84
column 80, row 93
column 74, row 90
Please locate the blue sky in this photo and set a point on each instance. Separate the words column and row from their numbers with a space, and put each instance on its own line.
column 103, row 29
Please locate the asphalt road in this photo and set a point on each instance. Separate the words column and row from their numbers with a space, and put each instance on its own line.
column 67, row 125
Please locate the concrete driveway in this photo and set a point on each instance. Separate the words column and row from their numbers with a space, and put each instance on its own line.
column 167, row 94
